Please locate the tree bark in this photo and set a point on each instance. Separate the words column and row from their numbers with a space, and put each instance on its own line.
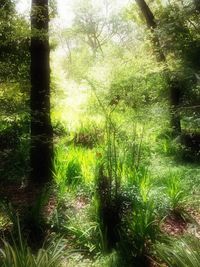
column 151, row 24
column 41, row 150
column 174, row 86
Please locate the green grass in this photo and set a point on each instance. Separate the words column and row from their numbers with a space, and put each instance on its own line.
column 21, row 256
column 175, row 189
column 16, row 253
column 183, row 252
column 150, row 185
column 73, row 166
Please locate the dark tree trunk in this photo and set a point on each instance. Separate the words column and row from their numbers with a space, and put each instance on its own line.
column 41, row 130
column 151, row 24
column 174, row 86
column 146, row 12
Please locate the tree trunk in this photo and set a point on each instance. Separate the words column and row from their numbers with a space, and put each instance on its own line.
column 41, row 151
column 174, row 86
column 151, row 24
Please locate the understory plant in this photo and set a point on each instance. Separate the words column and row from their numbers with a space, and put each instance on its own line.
column 32, row 217
column 16, row 253
column 73, row 167
column 67, row 169
column 89, row 134
column 116, row 166
column 85, row 233
column 75, row 217
column 140, row 228
column 183, row 252
column 176, row 192
column 108, row 182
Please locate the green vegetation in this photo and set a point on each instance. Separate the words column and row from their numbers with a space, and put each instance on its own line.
column 107, row 174
column 182, row 252
column 19, row 254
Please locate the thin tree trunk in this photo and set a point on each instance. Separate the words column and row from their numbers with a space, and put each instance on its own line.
column 174, row 86
column 41, row 130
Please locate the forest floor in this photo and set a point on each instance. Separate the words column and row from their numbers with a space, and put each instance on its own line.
column 21, row 197
column 24, row 196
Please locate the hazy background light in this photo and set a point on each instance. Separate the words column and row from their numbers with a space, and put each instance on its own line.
column 69, row 108
column 64, row 8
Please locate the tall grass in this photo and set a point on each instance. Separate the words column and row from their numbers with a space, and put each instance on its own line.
column 140, row 227
column 18, row 254
column 175, row 188
column 73, row 166
column 183, row 252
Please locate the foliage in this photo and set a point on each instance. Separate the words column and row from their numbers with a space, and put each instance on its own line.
column 14, row 80
column 183, row 252
column 89, row 134
column 18, row 254
column 143, row 227
column 75, row 216
column 32, row 217
column 73, row 167
column 140, row 223
column 5, row 220
column 118, row 169
column 14, row 148
column 176, row 191
column 14, row 56
column 86, row 234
